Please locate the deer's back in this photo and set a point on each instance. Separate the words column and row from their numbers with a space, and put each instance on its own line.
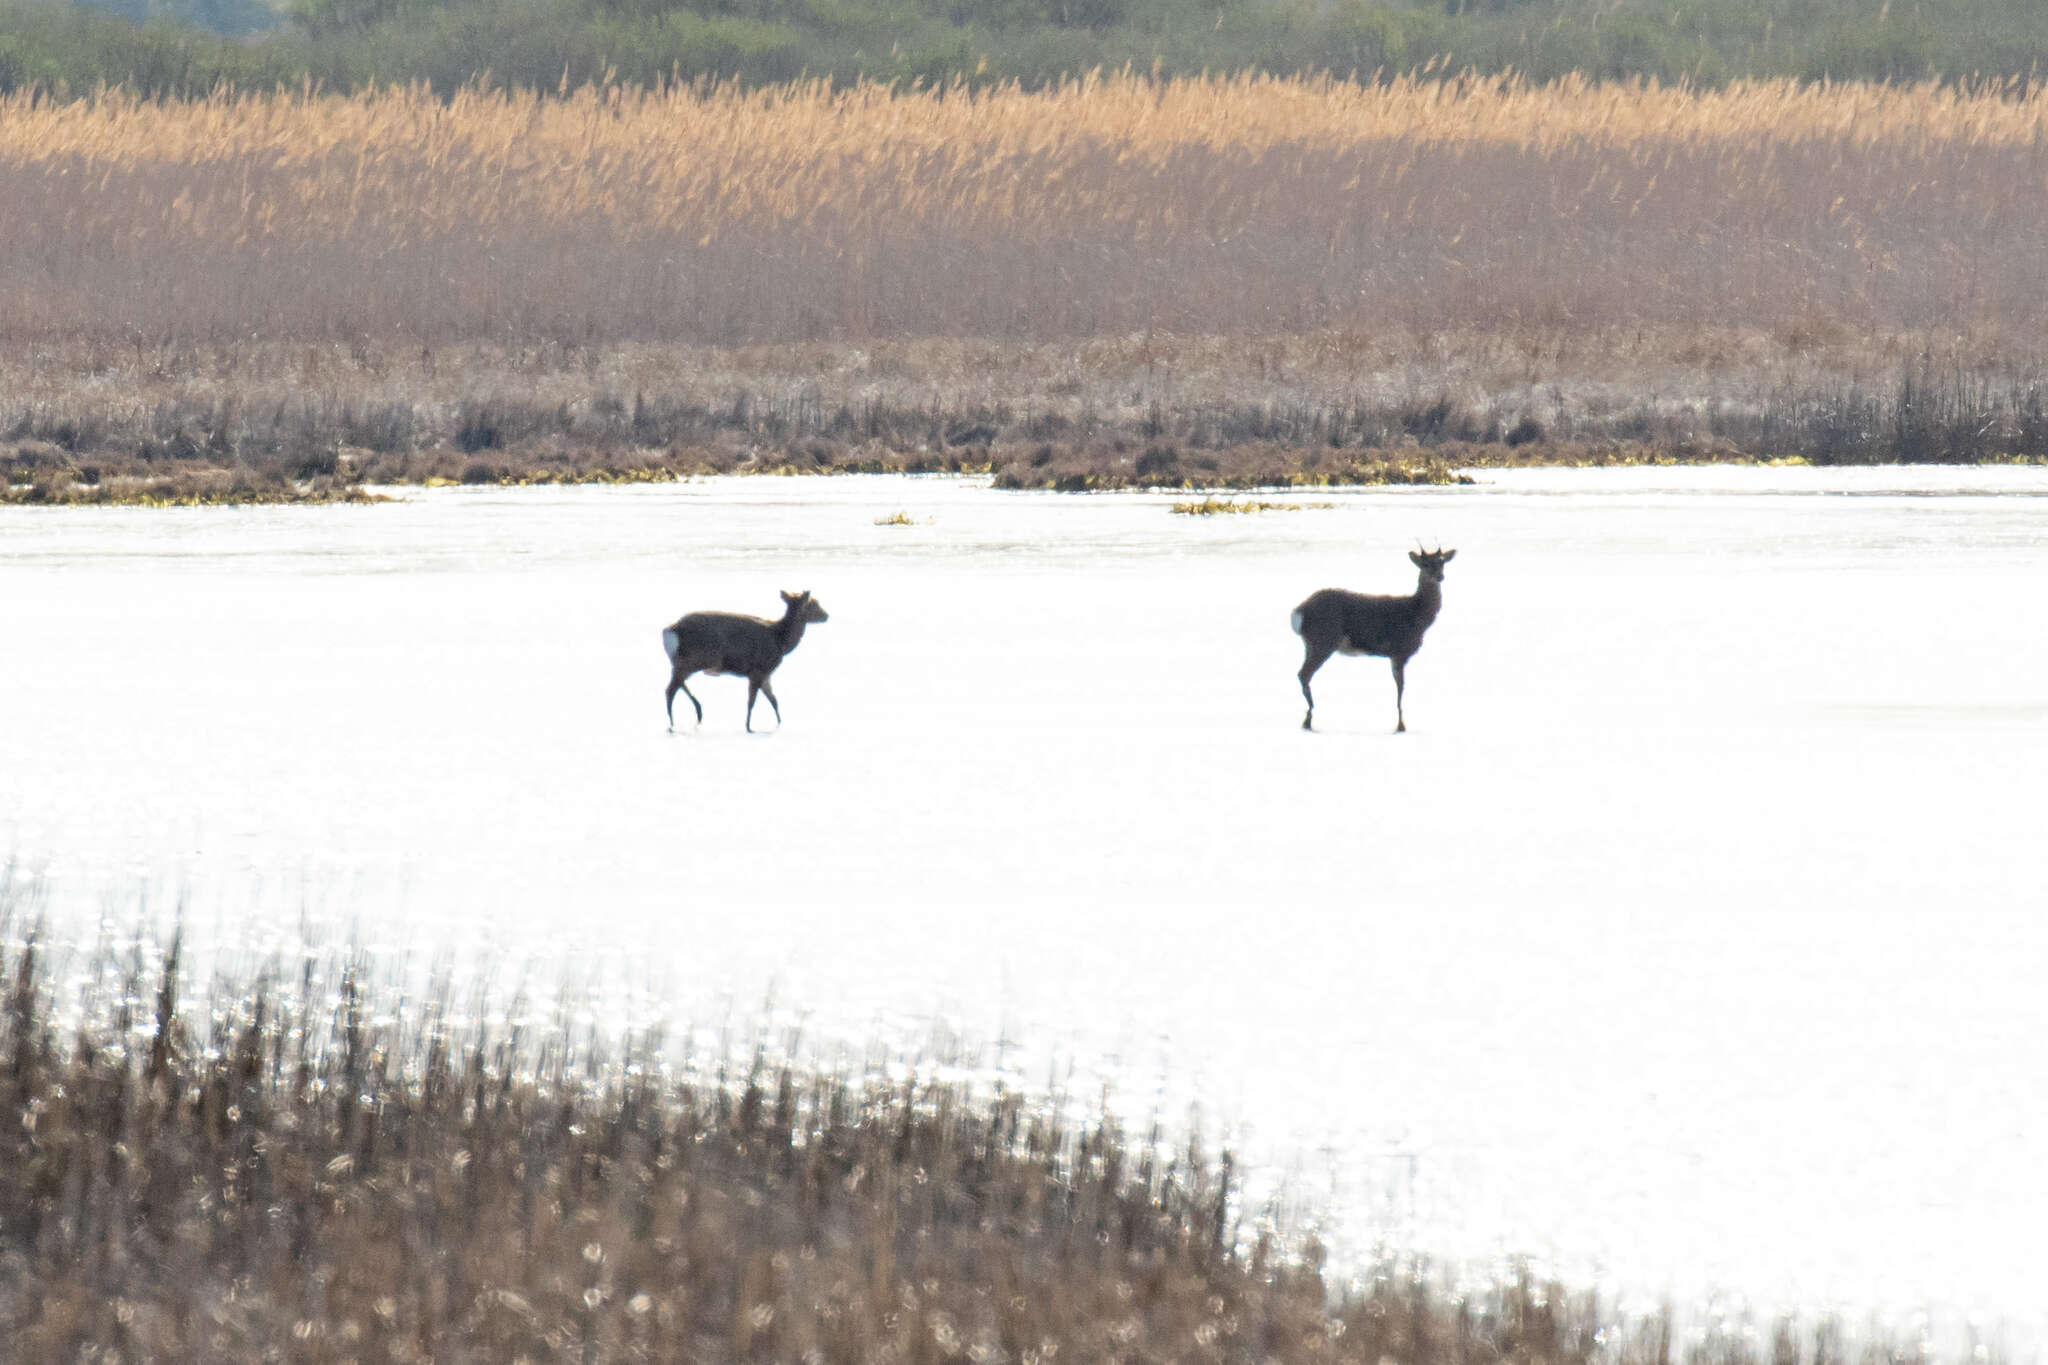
column 726, row 642
column 1362, row 623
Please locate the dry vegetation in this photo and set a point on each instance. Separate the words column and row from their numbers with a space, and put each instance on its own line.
column 1224, row 507
column 309, row 1168
column 93, row 422
column 1112, row 205
column 1266, row 280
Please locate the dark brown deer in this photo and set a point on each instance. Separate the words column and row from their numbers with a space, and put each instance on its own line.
column 1334, row 621
column 718, row 642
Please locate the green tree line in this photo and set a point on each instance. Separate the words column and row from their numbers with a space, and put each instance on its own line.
column 188, row 47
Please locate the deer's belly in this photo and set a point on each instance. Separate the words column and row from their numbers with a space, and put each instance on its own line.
column 1353, row 648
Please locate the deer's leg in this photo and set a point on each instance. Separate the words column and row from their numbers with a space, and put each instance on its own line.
column 1400, row 686
column 1318, row 655
column 675, row 685
column 753, row 691
column 769, row 693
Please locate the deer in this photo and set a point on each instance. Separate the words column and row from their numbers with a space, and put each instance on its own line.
column 1334, row 621
column 722, row 642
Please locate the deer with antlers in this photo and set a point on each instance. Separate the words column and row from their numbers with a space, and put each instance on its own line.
column 718, row 642
column 1334, row 621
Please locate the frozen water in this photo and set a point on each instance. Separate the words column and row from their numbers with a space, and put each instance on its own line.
column 1693, row 937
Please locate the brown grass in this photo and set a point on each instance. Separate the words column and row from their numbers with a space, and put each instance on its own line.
column 280, row 421
column 1102, row 208
column 206, row 486
column 309, row 1168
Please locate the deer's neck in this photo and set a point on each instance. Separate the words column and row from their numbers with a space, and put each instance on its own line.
column 1429, row 599
column 791, row 632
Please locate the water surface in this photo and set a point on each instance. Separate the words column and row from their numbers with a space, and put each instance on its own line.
column 1692, row 938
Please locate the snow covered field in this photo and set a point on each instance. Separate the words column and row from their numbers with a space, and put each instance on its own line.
column 1695, row 937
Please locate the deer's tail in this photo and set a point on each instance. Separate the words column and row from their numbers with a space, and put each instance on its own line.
column 672, row 642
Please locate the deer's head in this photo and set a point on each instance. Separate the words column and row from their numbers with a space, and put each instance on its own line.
column 804, row 607
column 1432, row 562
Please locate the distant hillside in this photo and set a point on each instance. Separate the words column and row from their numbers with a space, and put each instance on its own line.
column 188, row 46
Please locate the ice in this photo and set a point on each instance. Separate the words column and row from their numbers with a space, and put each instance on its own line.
column 1691, row 939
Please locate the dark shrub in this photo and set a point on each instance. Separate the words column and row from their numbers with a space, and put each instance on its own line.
column 970, row 433
column 478, row 429
column 1440, row 420
column 1159, row 462
column 313, row 462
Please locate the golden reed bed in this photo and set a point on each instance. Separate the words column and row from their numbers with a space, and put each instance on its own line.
column 1106, row 206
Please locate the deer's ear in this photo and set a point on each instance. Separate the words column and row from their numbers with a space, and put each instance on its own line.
column 1450, row 555
column 1415, row 559
column 789, row 597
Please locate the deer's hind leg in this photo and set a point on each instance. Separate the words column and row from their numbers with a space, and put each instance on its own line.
column 677, row 684
column 1318, row 655
column 1400, row 686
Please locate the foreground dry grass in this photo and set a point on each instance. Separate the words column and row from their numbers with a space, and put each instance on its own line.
column 307, row 1169
column 1108, row 206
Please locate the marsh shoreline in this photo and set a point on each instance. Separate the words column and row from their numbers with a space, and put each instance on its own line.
column 280, row 423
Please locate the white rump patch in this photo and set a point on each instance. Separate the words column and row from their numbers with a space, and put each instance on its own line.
column 669, row 641
column 1295, row 620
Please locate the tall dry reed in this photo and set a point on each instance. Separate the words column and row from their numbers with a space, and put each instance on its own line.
column 1102, row 207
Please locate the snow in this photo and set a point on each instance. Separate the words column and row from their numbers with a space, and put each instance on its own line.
column 1691, row 939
